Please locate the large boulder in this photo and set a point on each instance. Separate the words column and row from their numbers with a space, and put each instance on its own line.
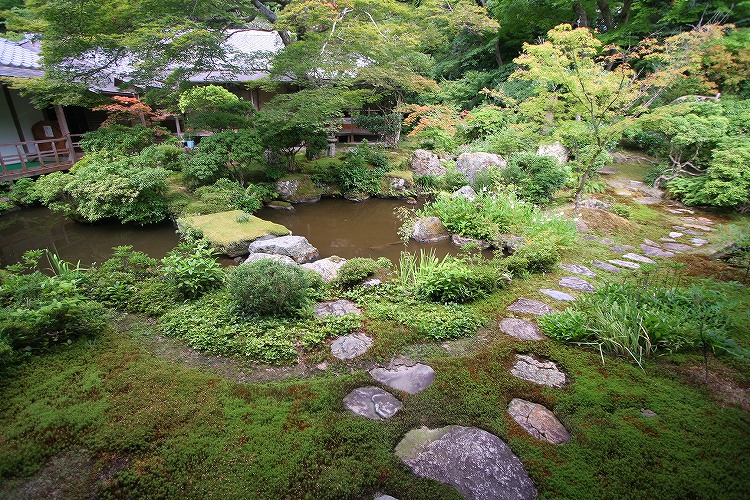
column 327, row 268
column 255, row 257
column 429, row 229
column 298, row 189
column 480, row 465
column 425, row 162
column 471, row 163
column 556, row 151
column 296, row 247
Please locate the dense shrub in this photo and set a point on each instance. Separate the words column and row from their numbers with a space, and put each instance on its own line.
column 535, row 256
column 193, row 271
column 23, row 193
column 356, row 270
column 39, row 311
column 536, row 177
column 120, row 140
column 229, row 154
column 451, row 321
column 99, row 188
column 166, row 156
column 225, row 194
column 453, row 280
column 267, row 287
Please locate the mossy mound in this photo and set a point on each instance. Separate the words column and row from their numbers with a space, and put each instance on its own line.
column 298, row 188
column 231, row 232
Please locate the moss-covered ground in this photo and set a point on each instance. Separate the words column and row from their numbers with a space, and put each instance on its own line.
column 132, row 421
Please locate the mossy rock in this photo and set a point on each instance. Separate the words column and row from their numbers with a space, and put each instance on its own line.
column 280, row 205
column 298, row 188
column 231, row 232
column 396, row 183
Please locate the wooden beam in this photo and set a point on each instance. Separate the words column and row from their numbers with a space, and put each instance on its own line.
column 62, row 122
column 13, row 113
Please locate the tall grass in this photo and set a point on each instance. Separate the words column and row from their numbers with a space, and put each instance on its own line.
column 411, row 268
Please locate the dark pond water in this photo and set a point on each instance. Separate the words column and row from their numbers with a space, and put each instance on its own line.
column 334, row 226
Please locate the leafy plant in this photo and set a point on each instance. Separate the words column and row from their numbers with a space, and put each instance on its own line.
column 118, row 140
column 356, row 270
column 453, row 280
column 192, row 270
column 536, row 177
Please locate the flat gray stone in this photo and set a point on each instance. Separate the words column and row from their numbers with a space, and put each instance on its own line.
column 679, row 228
column 624, row 263
column 336, row 308
column 528, row 306
column 699, row 226
column 645, row 412
column 542, row 372
column 655, row 252
column 678, row 247
column 327, row 268
column 372, row 402
column 296, row 247
column 578, row 269
column 606, row 241
column 384, row 497
column 675, row 234
column 648, row 200
column 350, row 346
column 557, row 294
column 606, row 266
column 670, row 240
column 461, row 241
column 255, row 257
column 465, row 192
column 480, row 465
column 638, row 258
column 576, row 283
column 622, row 248
column 693, row 233
column 410, row 379
column 520, row 329
column 698, row 241
column 538, row 421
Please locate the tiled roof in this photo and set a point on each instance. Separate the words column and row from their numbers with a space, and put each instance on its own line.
column 19, row 54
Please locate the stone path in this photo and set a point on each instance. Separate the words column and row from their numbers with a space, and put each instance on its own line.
column 557, row 295
column 350, row 346
column 538, row 421
column 410, row 379
column 576, row 283
column 542, row 372
column 372, row 402
column 520, row 329
column 529, row 306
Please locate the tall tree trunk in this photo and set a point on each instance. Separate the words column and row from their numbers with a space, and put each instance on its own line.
column 609, row 20
column 583, row 18
column 498, row 57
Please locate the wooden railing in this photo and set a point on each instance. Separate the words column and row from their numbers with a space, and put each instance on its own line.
column 32, row 158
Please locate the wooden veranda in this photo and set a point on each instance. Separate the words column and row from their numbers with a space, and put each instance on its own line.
column 32, row 158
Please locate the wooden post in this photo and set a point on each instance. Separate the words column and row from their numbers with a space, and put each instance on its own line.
column 21, row 157
column 63, row 124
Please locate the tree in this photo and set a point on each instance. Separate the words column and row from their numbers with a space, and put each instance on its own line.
column 214, row 109
column 573, row 83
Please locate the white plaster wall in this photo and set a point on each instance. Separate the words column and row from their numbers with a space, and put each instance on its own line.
column 28, row 115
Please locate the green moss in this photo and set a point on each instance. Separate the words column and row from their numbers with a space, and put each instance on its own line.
column 406, row 175
column 230, row 233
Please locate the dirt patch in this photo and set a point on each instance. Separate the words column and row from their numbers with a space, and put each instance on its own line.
column 602, row 221
column 720, row 382
column 72, row 474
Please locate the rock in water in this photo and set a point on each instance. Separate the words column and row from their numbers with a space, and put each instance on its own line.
column 471, row 163
column 480, row 465
column 328, row 268
column 520, row 329
column 296, row 247
column 461, row 241
column 372, row 402
column 538, row 421
column 528, row 306
column 429, row 229
column 350, row 346
column 411, row 379
column 425, row 162
column 542, row 372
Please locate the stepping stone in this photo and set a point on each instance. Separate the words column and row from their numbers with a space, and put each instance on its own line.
column 576, row 283
column 589, row 237
column 384, row 497
column 699, row 226
column 606, row 241
column 557, row 294
column 648, row 200
column 656, row 252
column 698, row 241
column 670, row 240
column 651, row 243
column 372, row 402
column 578, row 269
column 674, row 234
column 528, row 306
column 646, row 413
column 520, row 329
column 538, row 421
column 336, row 308
column 350, row 346
column 638, row 258
column 624, row 263
column 410, row 379
column 537, row 371
column 693, row 233
column 622, row 248
column 606, row 266
column 704, row 220
column 678, row 247
column 678, row 228
column 478, row 464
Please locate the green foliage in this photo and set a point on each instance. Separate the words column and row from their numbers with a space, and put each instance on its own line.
column 214, row 108
column 193, row 271
column 536, row 177
column 38, row 311
column 355, row 271
column 622, row 210
column 22, row 193
column 454, row 280
column 225, row 195
column 229, row 154
column 536, row 256
column 120, row 140
column 267, row 287
column 566, row 326
column 166, row 156
column 485, row 121
column 451, row 321
column 100, row 188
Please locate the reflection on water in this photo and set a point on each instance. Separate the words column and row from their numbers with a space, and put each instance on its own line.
column 334, row 226
column 41, row 228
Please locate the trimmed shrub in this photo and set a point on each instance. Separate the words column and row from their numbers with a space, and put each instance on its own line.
column 356, row 270
column 268, row 287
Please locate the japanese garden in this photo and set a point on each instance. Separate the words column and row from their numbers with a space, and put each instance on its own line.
column 404, row 249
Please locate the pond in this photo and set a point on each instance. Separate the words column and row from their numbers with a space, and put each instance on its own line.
column 334, row 226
